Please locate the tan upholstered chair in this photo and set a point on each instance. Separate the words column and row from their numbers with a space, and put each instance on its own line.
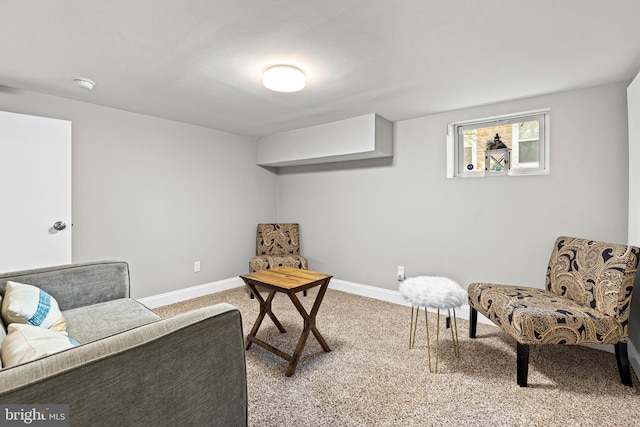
column 277, row 245
column 586, row 300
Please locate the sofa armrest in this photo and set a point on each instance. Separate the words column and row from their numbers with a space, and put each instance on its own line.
column 185, row 370
column 77, row 285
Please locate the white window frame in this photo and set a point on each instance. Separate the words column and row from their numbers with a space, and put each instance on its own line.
column 455, row 144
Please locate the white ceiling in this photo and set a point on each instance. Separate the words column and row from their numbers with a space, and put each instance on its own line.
column 200, row 61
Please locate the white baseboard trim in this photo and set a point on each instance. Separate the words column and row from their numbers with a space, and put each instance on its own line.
column 387, row 295
column 192, row 292
column 392, row 296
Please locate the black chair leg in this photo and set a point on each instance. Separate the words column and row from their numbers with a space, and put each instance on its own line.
column 622, row 357
column 523, row 364
column 473, row 322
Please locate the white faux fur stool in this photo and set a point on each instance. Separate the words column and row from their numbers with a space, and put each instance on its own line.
column 433, row 292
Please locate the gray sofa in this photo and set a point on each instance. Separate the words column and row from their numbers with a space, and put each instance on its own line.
column 131, row 367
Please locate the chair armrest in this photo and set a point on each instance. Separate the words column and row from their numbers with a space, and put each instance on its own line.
column 185, row 370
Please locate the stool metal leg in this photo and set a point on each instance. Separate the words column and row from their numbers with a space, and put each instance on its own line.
column 426, row 320
column 412, row 328
column 454, row 331
column 453, row 324
column 415, row 325
column 437, row 340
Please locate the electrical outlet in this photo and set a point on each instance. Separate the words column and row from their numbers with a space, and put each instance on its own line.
column 196, row 266
column 400, row 274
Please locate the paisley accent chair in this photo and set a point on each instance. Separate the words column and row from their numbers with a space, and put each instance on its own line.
column 278, row 245
column 586, row 300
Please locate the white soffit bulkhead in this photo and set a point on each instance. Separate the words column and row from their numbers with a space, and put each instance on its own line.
column 363, row 137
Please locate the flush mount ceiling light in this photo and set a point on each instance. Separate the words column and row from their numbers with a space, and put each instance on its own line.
column 283, row 78
column 84, row 83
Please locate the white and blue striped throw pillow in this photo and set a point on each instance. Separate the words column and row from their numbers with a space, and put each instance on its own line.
column 31, row 305
column 24, row 343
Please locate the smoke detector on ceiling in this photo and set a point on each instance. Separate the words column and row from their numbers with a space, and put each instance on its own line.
column 84, row 83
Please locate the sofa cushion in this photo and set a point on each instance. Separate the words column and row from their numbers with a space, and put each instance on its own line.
column 101, row 320
column 28, row 304
column 25, row 342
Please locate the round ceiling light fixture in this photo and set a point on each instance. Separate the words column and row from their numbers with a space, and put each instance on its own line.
column 283, row 78
column 84, row 83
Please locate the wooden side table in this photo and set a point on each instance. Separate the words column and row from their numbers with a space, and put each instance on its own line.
column 289, row 281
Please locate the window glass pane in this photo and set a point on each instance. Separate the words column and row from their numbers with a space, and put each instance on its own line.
column 470, row 141
column 527, row 156
column 529, row 152
column 468, row 157
column 522, row 136
column 483, row 139
column 529, row 130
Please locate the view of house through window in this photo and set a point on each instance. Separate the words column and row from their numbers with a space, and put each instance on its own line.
column 523, row 136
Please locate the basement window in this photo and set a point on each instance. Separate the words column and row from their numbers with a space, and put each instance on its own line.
column 514, row 144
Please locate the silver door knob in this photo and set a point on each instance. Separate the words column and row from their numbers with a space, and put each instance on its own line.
column 59, row 225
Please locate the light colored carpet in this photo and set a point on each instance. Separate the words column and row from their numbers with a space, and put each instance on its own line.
column 371, row 378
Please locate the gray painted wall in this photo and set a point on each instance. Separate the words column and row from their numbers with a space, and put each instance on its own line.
column 162, row 194
column 359, row 221
column 159, row 194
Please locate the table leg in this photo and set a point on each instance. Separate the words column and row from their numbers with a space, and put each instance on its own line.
column 265, row 308
column 309, row 326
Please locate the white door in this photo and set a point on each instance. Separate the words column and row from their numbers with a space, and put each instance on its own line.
column 35, row 192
